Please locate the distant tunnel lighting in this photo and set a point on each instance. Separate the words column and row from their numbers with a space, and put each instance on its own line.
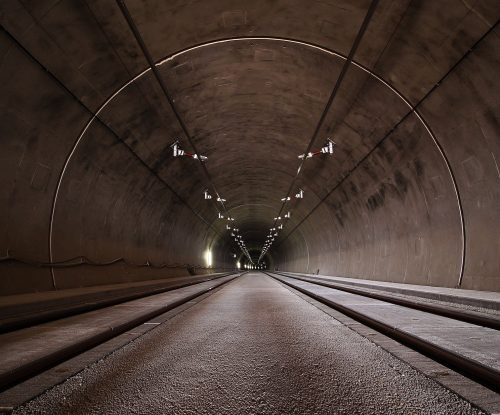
column 208, row 258
column 238, row 264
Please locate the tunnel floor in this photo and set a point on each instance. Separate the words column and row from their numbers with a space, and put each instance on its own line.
column 253, row 347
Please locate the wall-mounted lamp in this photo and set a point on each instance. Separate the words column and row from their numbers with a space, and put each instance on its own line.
column 178, row 152
column 326, row 149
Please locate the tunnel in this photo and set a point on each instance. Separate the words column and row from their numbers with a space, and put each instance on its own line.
column 142, row 141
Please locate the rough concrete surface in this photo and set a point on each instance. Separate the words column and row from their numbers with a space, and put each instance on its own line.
column 251, row 348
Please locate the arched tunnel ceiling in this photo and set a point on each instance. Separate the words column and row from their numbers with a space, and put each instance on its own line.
column 250, row 82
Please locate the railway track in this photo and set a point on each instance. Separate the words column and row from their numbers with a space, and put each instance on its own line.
column 476, row 358
column 62, row 339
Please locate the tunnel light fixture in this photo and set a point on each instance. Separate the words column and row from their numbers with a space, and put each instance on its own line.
column 195, row 156
column 228, row 227
column 177, row 151
column 285, row 199
column 307, row 156
column 287, row 215
column 300, row 194
column 229, row 218
column 220, row 199
column 221, row 216
column 280, row 226
column 326, row 149
column 207, row 195
column 277, row 218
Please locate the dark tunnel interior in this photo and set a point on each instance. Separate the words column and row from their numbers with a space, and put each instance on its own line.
column 93, row 194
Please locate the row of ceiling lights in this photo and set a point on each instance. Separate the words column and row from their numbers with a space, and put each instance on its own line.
column 234, row 231
column 274, row 231
column 258, row 266
column 178, row 152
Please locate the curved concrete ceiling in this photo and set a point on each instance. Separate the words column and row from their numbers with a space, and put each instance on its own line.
column 93, row 194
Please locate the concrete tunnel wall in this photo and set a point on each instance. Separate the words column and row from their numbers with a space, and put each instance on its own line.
column 408, row 196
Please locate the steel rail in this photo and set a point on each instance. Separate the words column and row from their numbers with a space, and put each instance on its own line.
column 487, row 376
column 30, row 369
column 46, row 313
column 473, row 317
